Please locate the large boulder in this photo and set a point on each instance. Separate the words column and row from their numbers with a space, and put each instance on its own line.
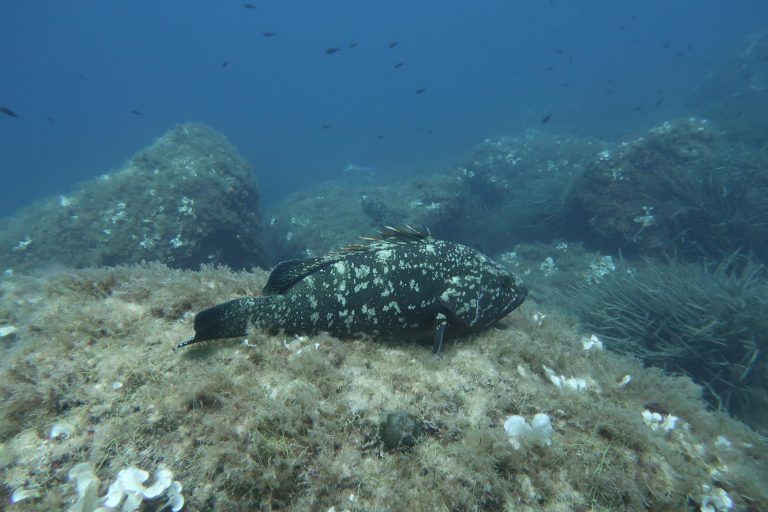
column 681, row 189
column 187, row 200
column 507, row 190
column 736, row 95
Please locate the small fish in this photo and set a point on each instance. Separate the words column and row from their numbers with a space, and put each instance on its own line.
column 8, row 112
column 420, row 91
column 325, row 126
column 136, row 113
column 366, row 170
column 546, row 118
column 402, row 284
column 225, row 64
column 379, row 137
column 80, row 76
column 50, row 118
column 331, row 51
column 352, row 45
column 658, row 102
column 249, row 6
column 399, row 65
column 268, row 34
column 392, row 44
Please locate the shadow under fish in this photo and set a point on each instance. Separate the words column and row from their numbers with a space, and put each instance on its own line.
column 404, row 283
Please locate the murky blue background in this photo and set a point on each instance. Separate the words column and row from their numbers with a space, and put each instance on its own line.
column 73, row 71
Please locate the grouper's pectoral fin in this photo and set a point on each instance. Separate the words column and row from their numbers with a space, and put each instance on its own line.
column 441, row 322
column 455, row 300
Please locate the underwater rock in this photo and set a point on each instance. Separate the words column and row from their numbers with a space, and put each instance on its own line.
column 400, row 431
column 319, row 219
column 736, row 96
column 189, row 199
column 513, row 189
column 508, row 190
column 680, row 189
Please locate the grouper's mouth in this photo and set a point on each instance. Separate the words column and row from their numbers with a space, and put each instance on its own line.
column 518, row 299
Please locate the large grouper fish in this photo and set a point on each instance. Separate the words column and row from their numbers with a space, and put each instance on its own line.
column 403, row 283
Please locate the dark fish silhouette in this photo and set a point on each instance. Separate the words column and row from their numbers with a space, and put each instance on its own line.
column 268, row 34
column 399, row 65
column 546, row 118
column 392, row 44
column 8, row 112
column 325, row 126
column 352, row 45
column 419, row 91
column 225, row 64
column 404, row 283
column 379, row 137
column 80, row 76
column 50, row 118
column 331, row 51
column 658, row 102
column 249, row 6
column 136, row 113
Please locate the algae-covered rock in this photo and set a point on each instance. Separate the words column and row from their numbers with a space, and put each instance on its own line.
column 317, row 220
column 681, row 189
column 400, row 431
column 507, row 190
column 736, row 95
column 187, row 200
column 288, row 423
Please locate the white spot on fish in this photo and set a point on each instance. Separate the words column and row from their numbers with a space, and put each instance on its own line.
column 362, row 271
column 384, row 255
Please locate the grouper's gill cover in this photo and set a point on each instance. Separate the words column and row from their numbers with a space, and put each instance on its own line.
column 402, row 283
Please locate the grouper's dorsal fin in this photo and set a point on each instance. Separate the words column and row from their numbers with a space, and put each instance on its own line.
column 288, row 273
column 387, row 236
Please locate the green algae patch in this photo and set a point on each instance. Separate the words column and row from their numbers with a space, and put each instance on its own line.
column 293, row 422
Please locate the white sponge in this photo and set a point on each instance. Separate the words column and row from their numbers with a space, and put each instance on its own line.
column 129, row 485
column 539, row 432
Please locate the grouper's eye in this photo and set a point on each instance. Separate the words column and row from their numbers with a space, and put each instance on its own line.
column 507, row 281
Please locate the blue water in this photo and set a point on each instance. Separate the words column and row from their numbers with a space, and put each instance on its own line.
column 74, row 70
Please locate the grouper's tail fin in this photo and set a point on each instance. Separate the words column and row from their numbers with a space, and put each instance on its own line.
column 228, row 320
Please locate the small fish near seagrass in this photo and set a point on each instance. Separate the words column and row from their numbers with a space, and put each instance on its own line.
column 401, row 283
